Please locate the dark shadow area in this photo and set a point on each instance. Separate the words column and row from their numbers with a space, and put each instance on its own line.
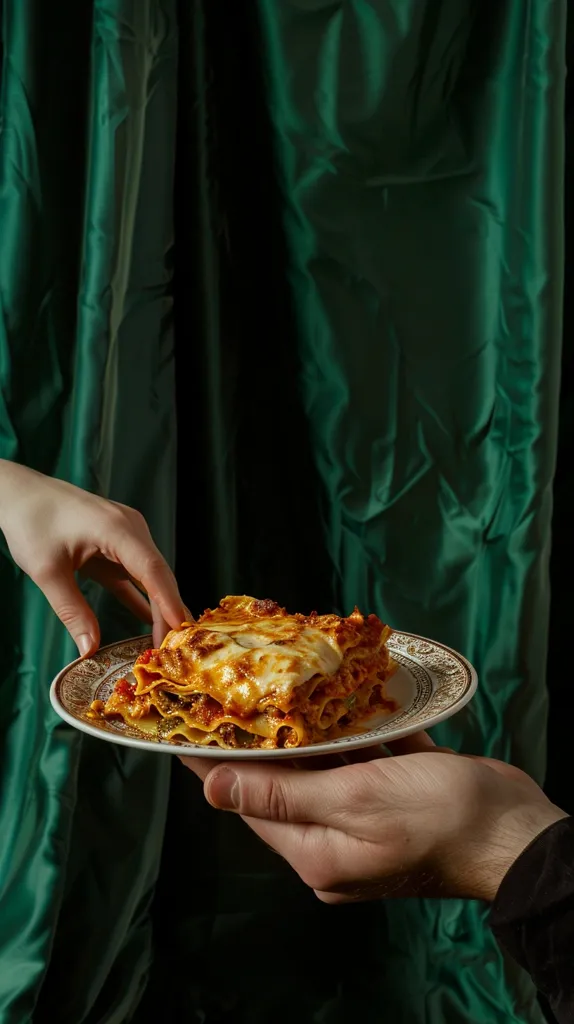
column 559, row 784
column 244, row 448
column 244, row 524
column 49, row 251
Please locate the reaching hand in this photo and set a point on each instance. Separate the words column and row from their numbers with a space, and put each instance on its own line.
column 54, row 529
column 427, row 822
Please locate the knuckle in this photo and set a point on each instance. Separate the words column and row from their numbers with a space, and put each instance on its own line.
column 153, row 561
column 362, row 785
column 116, row 516
column 125, row 516
column 153, row 565
column 68, row 614
column 275, row 804
column 137, row 519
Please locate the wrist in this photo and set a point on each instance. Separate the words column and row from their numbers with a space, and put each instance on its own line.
column 510, row 840
column 12, row 478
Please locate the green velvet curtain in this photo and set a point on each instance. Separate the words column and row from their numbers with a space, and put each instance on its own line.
column 333, row 229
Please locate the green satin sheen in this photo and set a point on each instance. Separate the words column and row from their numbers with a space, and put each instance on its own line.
column 368, row 216
column 88, row 108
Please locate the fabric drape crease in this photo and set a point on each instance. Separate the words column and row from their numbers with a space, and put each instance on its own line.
column 332, row 229
column 87, row 144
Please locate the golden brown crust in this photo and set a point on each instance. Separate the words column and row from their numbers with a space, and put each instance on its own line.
column 346, row 631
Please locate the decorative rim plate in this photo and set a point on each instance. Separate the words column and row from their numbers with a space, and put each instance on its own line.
column 431, row 684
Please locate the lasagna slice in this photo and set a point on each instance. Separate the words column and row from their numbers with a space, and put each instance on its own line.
column 247, row 674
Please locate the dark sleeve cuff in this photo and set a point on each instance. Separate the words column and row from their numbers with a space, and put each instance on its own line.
column 533, row 915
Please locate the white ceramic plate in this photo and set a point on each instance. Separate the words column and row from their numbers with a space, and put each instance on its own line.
column 432, row 684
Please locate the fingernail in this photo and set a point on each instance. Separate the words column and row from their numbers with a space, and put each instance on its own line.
column 223, row 790
column 84, row 643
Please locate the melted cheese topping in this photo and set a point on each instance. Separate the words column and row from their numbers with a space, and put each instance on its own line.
column 241, row 666
column 247, row 654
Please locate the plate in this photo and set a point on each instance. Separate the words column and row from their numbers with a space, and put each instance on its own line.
column 432, row 683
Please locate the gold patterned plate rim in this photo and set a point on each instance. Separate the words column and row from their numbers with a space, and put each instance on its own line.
column 432, row 683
